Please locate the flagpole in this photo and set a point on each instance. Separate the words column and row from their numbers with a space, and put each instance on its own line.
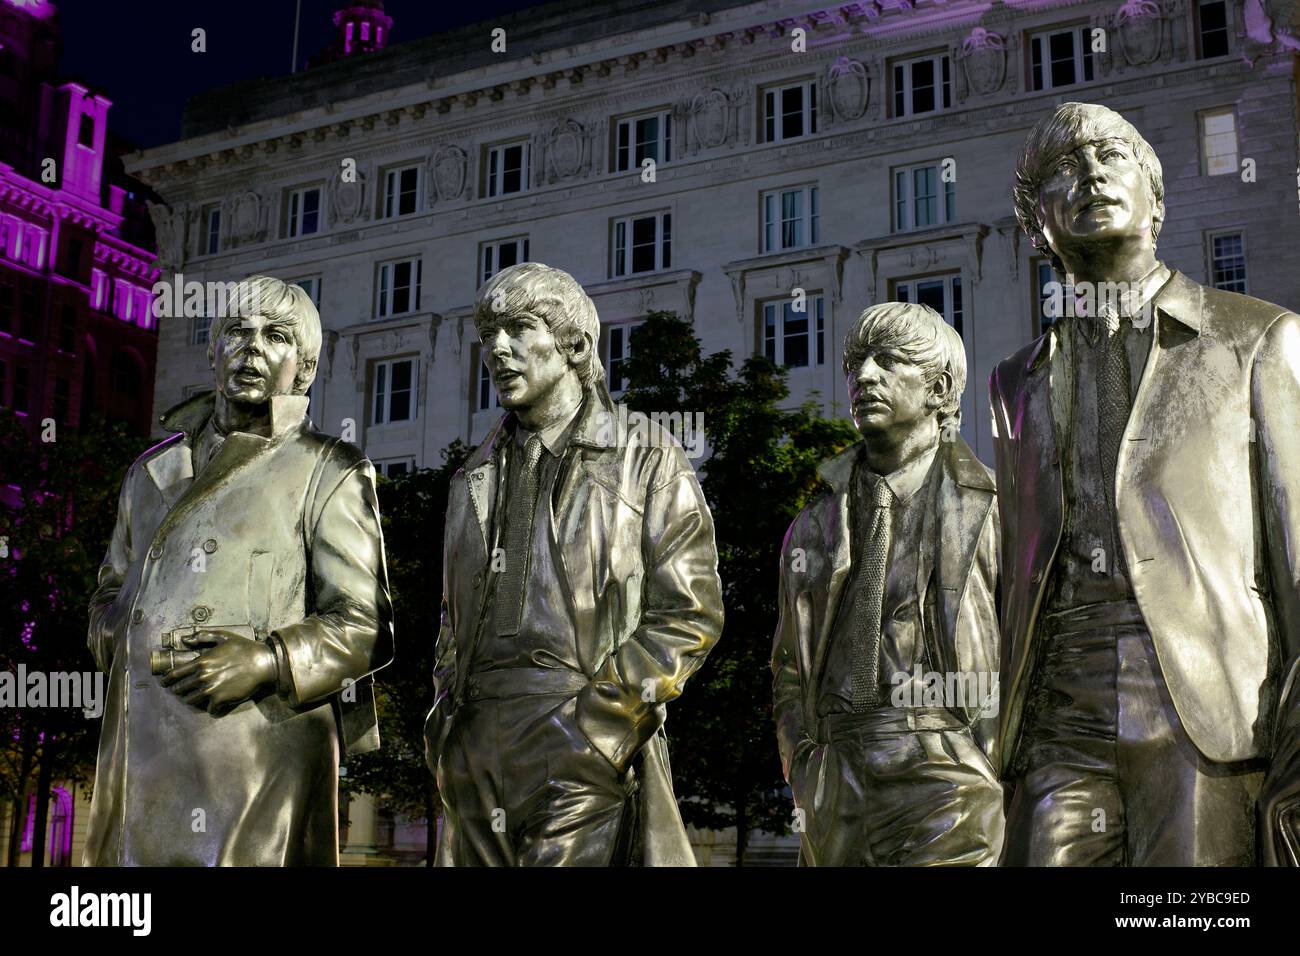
column 297, row 15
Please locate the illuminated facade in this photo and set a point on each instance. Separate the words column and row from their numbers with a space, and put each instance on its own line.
column 77, row 336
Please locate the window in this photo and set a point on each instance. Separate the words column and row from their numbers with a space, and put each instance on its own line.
column 6, row 309
column 19, row 402
column 789, row 111
column 62, row 392
column 303, row 213
column 941, row 293
column 201, row 329
column 638, row 138
column 125, row 374
column 399, row 287
column 68, row 329
column 1212, row 27
column 392, row 467
column 495, row 256
column 795, row 339
column 484, row 394
column 312, row 287
column 1060, row 58
column 618, row 349
column 1043, row 274
column 395, row 392
column 507, row 169
column 1219, row 142
column 641, row 244
column 790, row 219
column 33, row 246
column 27, row 317
column 212, row 230
column 401, row 191
column 922, row 85
column 86, row 131
column 98, row 290
column 1228, row 261
column 72, row 258
column 922, row 199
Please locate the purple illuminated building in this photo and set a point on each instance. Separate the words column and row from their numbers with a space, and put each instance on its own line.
column 77, row 337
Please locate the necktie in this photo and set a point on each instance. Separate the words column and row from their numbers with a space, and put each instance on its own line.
column 869, row 599
column 519, row 539
column 1113, row 402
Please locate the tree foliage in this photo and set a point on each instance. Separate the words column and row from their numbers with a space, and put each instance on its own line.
column 761, row 470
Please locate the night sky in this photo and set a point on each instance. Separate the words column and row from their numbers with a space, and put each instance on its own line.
column 138, row 52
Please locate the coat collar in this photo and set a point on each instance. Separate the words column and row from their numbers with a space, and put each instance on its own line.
column 189, row 416
column 957, row 458
column 591, row 430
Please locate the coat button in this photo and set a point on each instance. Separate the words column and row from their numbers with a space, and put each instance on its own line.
column 1038, row 576
column 471, row 688
column 210, row 545
column 478, row 580
column 201, row 613
column 137, row 616
column 155, row 552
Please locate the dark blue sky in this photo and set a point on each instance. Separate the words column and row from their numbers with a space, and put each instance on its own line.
column 138, row 52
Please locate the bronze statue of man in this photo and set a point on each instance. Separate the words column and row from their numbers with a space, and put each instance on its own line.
column 241, row 608
column 581, row 591
column 886, row 653
column 1148, row 465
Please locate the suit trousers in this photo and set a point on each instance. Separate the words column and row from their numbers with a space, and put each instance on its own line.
column 521, row 785
column 1107, row 775
column 886, row 790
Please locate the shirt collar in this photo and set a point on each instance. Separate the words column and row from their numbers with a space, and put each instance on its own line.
column 907, row 480
column 1149, row 288
column 555, row 436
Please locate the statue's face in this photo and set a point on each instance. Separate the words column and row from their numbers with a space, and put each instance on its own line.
column 525, row 360
column 888, row 394
column 1095, row 193
column 255, row 359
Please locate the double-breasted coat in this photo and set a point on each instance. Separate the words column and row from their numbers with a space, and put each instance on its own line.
column 276, row 535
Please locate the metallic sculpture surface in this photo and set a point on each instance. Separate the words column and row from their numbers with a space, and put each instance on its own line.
column 241, row 608
column 886, row 653
column 581, row 592
column 1148, row 467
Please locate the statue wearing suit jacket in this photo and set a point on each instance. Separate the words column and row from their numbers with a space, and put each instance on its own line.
column 241, row 608
column 1148, row 466
column 886, row 652
column 581, row 591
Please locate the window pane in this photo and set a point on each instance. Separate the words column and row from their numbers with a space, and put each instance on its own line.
column 931, row 293
column 815, row 236
column 791, row 219
column 926, row 200
column 623, row 151
column 310, row 211
column 900, row 101
column 769, row 332
column 956, row 305
column 1213, row 17
column 769, row 222
column 494, row 165
column 643, row 244
column 399, row 406
column 792, row 112
column 950, row 202
column 1036, row 61
column 668, row 241
column 410, row 179
column 795, row 336
column 508, row 254
column 381, row 392
column 821, row 331
column 512, row 177
column 901, row 220
column 769, row 116
column 1061, row 47
column 620, row 248
column 923, row 86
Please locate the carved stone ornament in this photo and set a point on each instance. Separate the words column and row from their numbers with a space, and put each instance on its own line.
column 246, row 219
column 848, row 87
column 448, row 167
column 566, row 147
column 347, row 197
column 711, row 118
column 169, row 235
column 984, row 58
column 1141, row 28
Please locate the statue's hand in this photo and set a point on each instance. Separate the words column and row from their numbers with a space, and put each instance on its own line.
column 231, row 669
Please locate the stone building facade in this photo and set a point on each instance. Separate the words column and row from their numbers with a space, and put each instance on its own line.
column 855, row 153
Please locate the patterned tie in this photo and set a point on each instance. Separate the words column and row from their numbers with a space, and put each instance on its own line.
column 519, row 538
column 1113, row 402
column 869, row 599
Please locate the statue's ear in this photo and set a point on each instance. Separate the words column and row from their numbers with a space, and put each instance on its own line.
column 940, row 390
